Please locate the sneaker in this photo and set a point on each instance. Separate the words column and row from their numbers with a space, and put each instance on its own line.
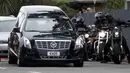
column 128, row 58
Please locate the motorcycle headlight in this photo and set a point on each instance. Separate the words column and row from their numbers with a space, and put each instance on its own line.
column 86, row 35
column 27, row 43
column 116, row 28
column 102, row 34
column 79, row 43
column 116, row 34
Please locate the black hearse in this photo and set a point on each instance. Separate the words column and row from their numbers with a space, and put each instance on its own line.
column 44, row 33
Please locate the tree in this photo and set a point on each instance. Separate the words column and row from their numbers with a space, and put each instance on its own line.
column 6, row 7
column 9, row 7
column 64, row 5
column 115, row 4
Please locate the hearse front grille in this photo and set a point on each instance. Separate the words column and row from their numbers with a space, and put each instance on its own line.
column 53, row 44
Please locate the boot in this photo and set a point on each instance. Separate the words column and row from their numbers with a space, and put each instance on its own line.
column 105, row 59
column 128, row 58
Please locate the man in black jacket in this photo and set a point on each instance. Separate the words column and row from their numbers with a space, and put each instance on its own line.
column 80, row 26
column 115, row 22
column 100, row 20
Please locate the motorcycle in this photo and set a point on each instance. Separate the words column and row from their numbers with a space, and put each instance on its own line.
column 117, row 49
column 101, row 43
column 90, row 38
column 81, row 32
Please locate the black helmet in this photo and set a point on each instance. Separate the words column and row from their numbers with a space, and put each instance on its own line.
column 80, row 20
column 109, row 17
column 99, row 15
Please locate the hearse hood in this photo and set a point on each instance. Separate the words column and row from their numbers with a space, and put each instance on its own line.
column 46, row 36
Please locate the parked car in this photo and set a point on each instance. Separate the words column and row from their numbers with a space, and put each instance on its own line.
column 44, row 34
column 6, row 25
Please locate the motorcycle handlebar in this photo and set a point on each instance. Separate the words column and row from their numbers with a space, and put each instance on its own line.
column 106, row 28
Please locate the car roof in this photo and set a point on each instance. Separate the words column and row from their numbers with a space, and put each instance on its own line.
column 4, row 18
column 38, row 8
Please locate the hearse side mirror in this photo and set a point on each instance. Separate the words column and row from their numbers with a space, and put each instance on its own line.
column 16, row 29
column 64, row 18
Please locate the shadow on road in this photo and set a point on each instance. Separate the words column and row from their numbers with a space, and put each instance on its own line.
column 49, row 65
column 63, row 65
column 42, row 65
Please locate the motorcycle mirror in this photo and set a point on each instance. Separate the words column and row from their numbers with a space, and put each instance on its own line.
column 93, row 25
column 64, row 18
column 128, row 21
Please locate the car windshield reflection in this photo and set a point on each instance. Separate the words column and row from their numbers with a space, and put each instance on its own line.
column 6, row 26
column 46, row 22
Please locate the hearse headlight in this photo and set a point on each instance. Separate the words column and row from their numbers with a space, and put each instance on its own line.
column 27, row 43
column 79, row 43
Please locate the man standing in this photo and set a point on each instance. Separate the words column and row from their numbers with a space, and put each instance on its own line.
column 84, row 9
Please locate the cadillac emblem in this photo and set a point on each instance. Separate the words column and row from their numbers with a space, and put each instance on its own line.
column 53, row 44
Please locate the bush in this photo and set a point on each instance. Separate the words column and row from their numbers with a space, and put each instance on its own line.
column 9, row 7
column 115, row 4
column 64, row 5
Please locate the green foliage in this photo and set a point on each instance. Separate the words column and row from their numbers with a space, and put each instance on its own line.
column 60, row 2
column 46, row 2
column 63, row 4
column 6, row 7
column 70, row 12
column 115, row 4
column 9, row 7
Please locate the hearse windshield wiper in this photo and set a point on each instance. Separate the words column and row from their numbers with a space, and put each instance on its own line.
column 32, row 30
column 38, row 31
column 51, row 33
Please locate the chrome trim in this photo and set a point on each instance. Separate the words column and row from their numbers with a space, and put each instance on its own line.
column 54, row 40
column 47, row 44
column 53, row 58
column 59, row 46
column 13, row 52
column 65, row 44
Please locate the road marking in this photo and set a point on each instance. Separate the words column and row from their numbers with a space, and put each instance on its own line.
column 34, row 72
column 2, row 68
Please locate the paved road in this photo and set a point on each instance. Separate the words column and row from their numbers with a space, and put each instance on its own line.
column 89, row 67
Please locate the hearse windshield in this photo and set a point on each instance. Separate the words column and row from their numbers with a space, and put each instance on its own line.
column 47, row 21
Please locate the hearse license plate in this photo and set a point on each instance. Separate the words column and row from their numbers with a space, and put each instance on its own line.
column 53, row 53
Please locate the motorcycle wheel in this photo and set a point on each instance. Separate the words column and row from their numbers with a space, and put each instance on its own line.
column 116, row 57
column 86, row 53
column 100, row 55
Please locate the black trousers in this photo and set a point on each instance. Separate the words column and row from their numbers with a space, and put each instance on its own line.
column 125, row 46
